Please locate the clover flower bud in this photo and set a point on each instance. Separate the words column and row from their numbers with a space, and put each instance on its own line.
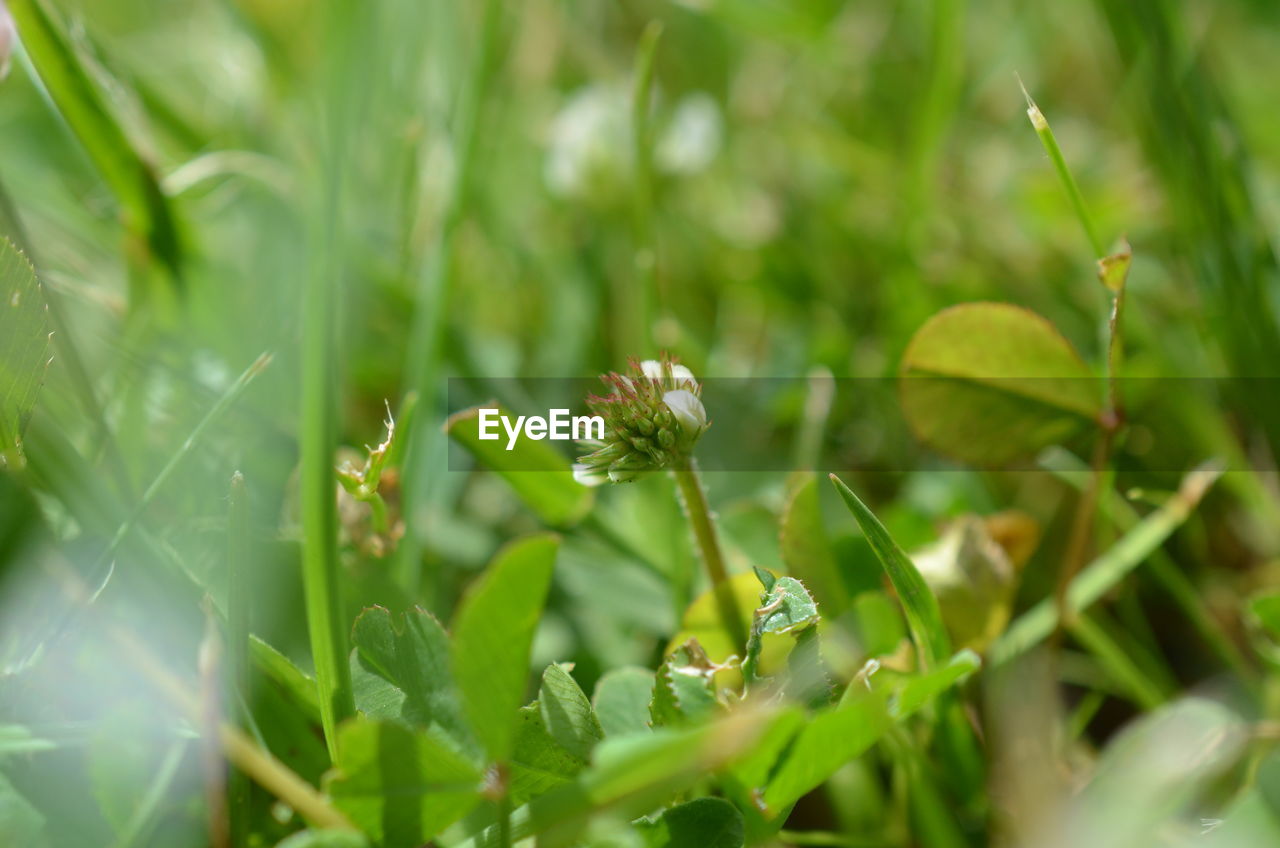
column 653, row 418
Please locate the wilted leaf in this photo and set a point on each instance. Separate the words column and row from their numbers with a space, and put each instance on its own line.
column 621, row 700
column 399, row 785
column 700, row 823
column 684, row 687
column 973, row 580
column 1113, row 270
column 24, row 348
column 493, row 634
column 989, row 383
column 538, row 474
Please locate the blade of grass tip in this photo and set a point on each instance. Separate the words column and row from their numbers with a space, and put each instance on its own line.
column 238, row 595
column 147, row 214
column 1050, row 142
column 923, row 613
column 423, row 367
column 636, row 299
column 1130, row 551
column 225, row 402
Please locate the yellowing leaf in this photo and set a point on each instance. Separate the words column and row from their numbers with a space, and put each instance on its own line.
column 989, row 383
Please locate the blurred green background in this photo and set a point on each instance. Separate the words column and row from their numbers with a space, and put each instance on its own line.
column 807, row 184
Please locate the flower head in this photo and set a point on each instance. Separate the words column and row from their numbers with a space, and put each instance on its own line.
column 653, row 417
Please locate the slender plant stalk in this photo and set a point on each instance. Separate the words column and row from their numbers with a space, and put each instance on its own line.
column 342, row 88
column 1144, row 691
column 238, row 595
column 636, row 310
column 1087, row 507
column 318, row 495
column 146, row 814
column 424, row 366
column 704, row 534
column 1166, row 573
column 504, row 821
column 211, row 717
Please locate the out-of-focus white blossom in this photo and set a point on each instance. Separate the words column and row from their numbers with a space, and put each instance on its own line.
column 693, row 138
column 589, row 145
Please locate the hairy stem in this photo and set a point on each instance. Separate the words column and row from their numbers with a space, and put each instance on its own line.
column 704, row 534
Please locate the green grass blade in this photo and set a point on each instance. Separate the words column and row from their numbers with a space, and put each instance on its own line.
column 225, row 402
column 1132, row 549
column 24, row 349
column 147, row 215
column 238, row 595
column 921, row 607
column 1050, row 142
column 1072, row 470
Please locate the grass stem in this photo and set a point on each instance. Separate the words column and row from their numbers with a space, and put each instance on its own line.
column 238, row 595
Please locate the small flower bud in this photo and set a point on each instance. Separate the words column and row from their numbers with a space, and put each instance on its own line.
column 653, row 417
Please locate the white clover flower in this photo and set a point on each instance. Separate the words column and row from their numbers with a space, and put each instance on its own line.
column 690, row 414
column 588, row 143
column 653, row 418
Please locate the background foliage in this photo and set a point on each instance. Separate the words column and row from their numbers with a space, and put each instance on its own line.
column 379, row 196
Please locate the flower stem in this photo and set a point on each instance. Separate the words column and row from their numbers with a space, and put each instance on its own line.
column 704, row 533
